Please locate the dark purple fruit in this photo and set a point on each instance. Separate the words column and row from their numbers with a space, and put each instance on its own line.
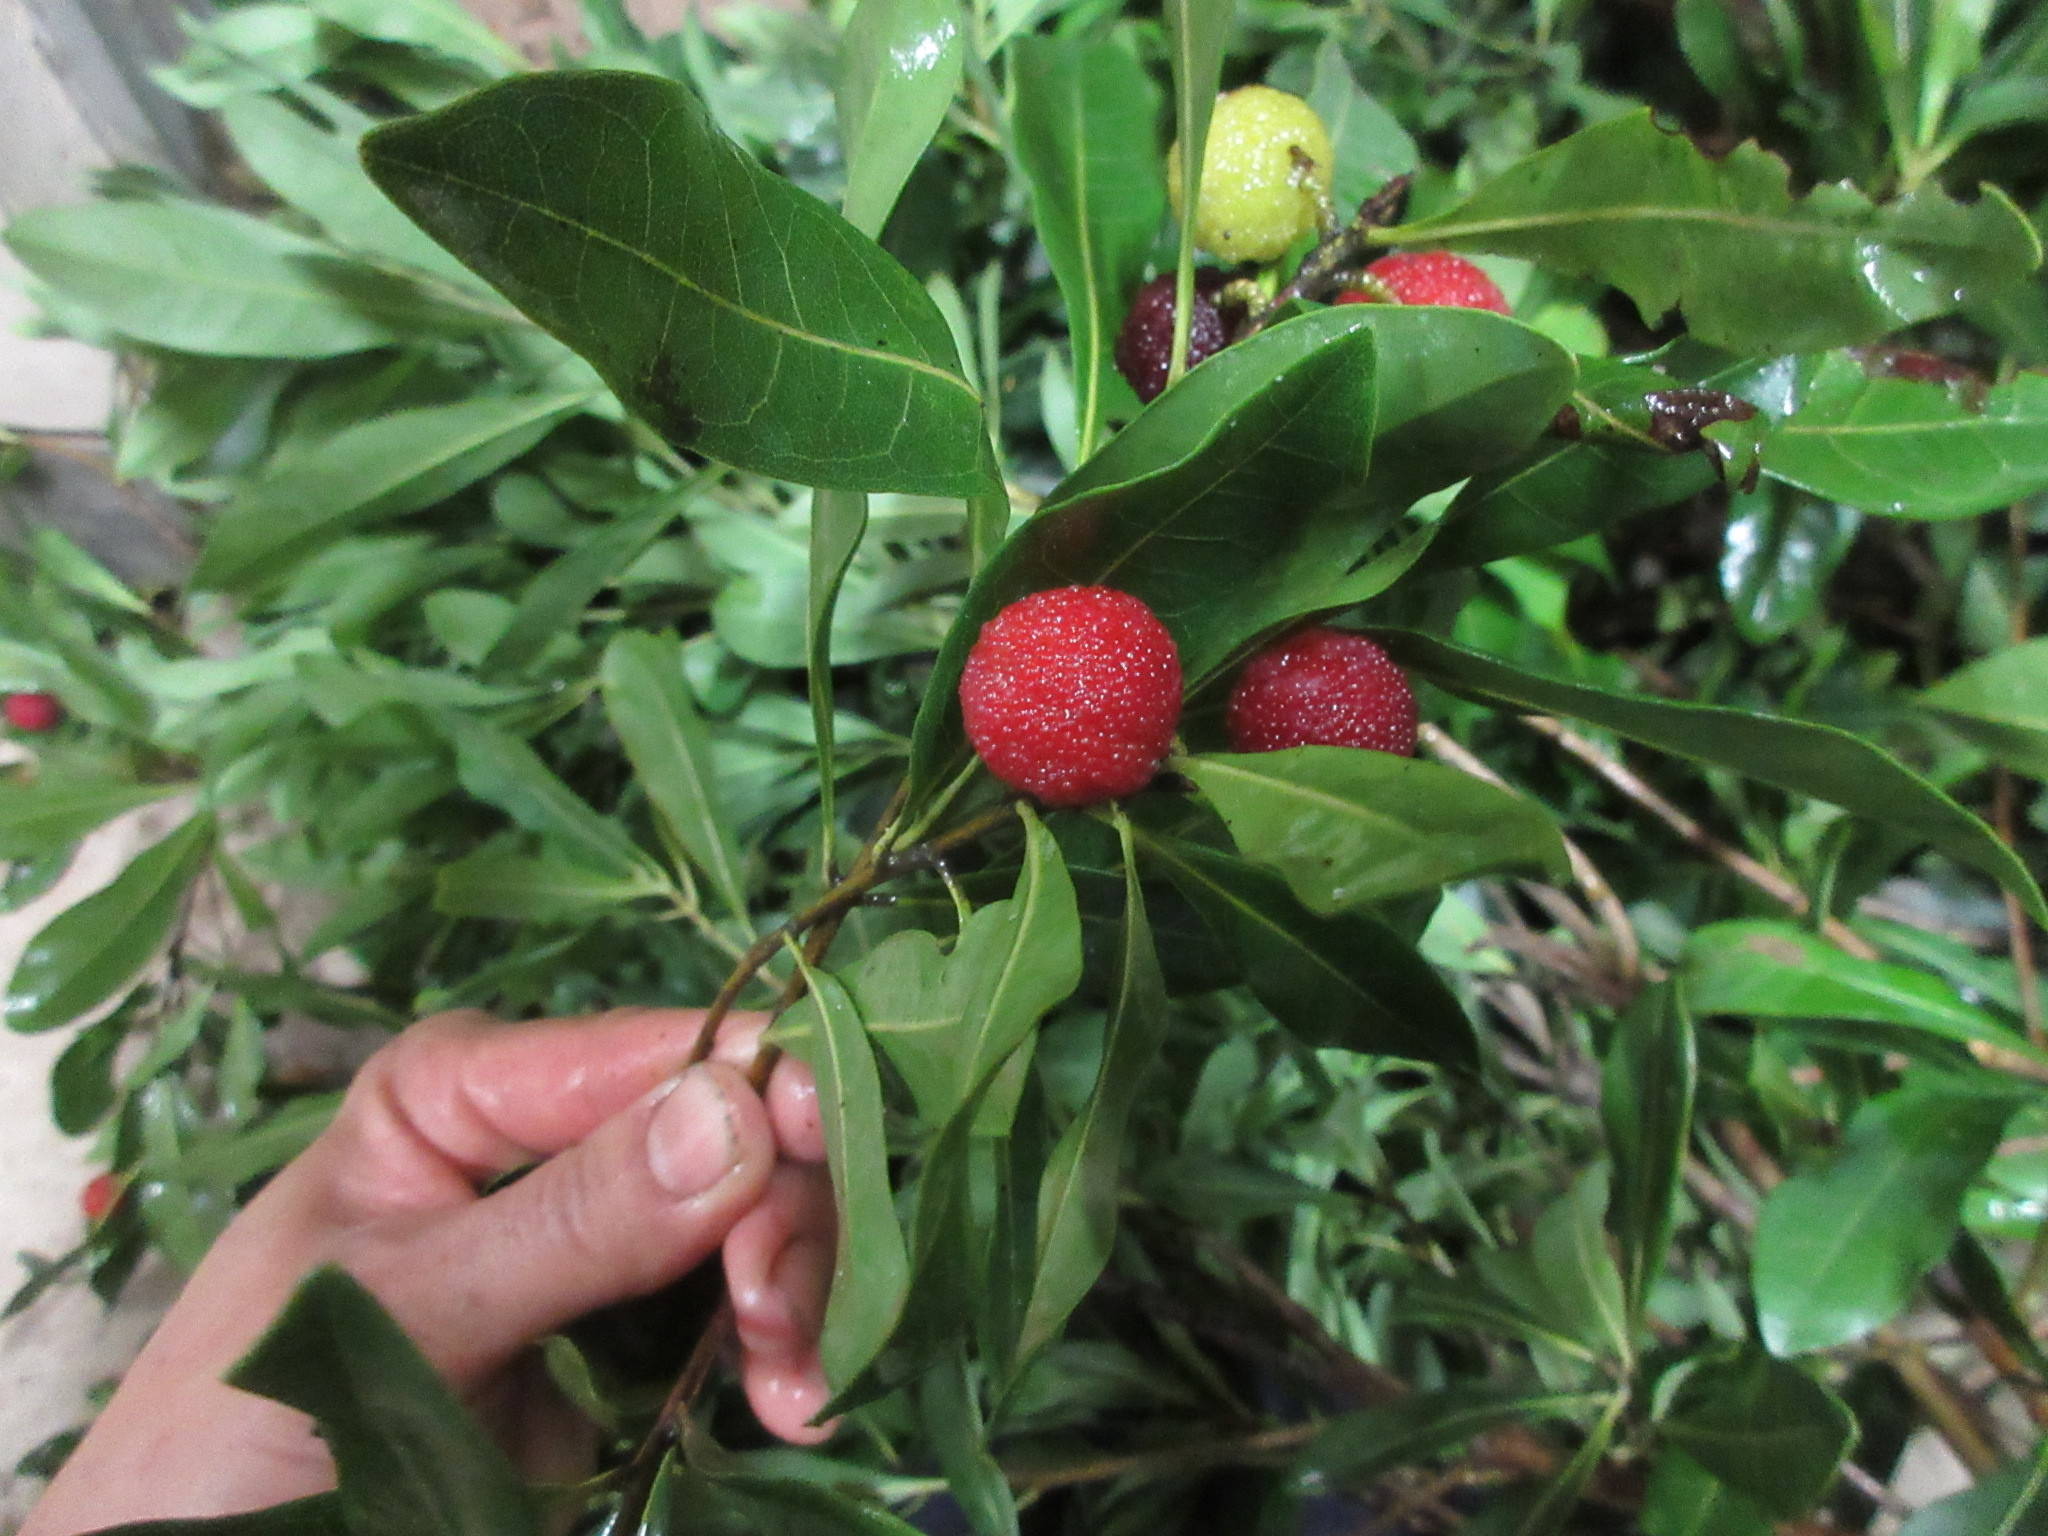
column 1144, row 347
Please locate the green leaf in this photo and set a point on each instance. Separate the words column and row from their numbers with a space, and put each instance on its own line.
column 1197, row 33
column 92, row 950
column 1685, row 1499
column 1752, row 268
column 951, row 1411
column 1084, row 121
column 1840, row 1247
column 1779, row 551
column 1765, row 1428
column 435, row 25
column 1347, row 827
column 1983, row 1286
column 1776, row 970
column 839, row 520
column 321, row 1515
column 1907, row 449
column 2013, row 1501
column 410, row 1460
column 666, row 741
column 495, row 881
column 1569, row 1253
column 1806, row 758
column 871, row 1272
column 738, row 314
column 1077, row 1197
column 201, row 279
column 899, row 67
column 500, row 769
column 370, row 472
column 554, row 601
column 1646, row 1097
column 82, row 1080
column 50, row 813
column 1369, row 147
column 1346, row 981
column 2001, row 703
column 1357, row 1449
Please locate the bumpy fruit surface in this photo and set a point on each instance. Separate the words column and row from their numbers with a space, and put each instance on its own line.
column 1431, row 277
column 1072, row 695
column 1257, row 196
column 1322, row 688
column 1144, row 347
column 102, row 1192
column 32, row 713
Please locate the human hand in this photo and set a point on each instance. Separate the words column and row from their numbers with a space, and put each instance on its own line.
column 645, row 1174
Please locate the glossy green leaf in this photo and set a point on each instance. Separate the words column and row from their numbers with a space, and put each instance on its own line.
column 2001, row 703
column 1646, row 1097
column 1798, row 755
column 89, row 952
column 899, row 67
column 1763, row 1427
column 498, row 882
column 410, row 1460
column 30, row 879
column 500, row 769
column 370, row 472
column 1345, row 981
column 1685, row 1499
column 736, row 313
column 871, row 1270
column 201, row 279
column 1765, row 969
column 1908, row 449
column 553, row 603
column 1723, row 240
column 1780, row 549
column 52, row 812
column 1084, row 120
column 1840, row 1247
column 1077, row 1197
column 1347, row 827
column 2013, row 1501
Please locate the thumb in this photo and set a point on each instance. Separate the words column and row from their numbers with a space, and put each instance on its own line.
column 642, row 1200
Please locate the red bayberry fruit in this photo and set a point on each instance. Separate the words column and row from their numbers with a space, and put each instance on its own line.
column 32, row 713
column 1431, row 277
column 1072, row 695
column 1144, row 347
column 1322, row 688
column 102, row 1192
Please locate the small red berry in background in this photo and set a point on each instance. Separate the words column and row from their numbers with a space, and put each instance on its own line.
column 102, row 1192
column 1322, row 688
column 32, row 713
column 1073, row 695
column 1431, row 277
column 1144, row 347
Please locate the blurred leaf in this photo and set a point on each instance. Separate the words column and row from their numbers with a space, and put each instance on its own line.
column 1077, row 1197
column 2001, row 703
column 899, row 68
column 437, row 25
column 1197, row 35
column 49, row 814
column 1978, row 1277
column 201, row 279
column 1840, row 1247
column 1646, row 1097
column 1779, row 551
column 1344, row 981
column 30, row 879
column 553, row 603
column 90, row 951
column 411, row 1462
column 1347, row 827
column 252, row 48
column 871, row 1272
column 1777, row 970
column 953, row 1427
column 649, row 705
column 1568, row 1251
column 839, row 520
column 1685, row 1499
column 1901, row 448
column 739, row 315
column 82, row 1080
column 1369, row 147
column 320, row 1515
column 495, row 881
column 1084, row 119
column 1765, row 1428
column 377, row 469
column 1363, row 1446
column 500, row 769
column 731, row 1504
column 2013, row 1501
column 1798, row 755
column 1753, row 268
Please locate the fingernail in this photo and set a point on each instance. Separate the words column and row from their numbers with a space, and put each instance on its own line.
column 690, row 1143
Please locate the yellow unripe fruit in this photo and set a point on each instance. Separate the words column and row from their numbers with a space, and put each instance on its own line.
column 1257, row 197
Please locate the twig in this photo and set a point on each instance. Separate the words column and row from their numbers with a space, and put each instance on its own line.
column 1947, row 1407
column 1765, row 879
column 1275, row 1444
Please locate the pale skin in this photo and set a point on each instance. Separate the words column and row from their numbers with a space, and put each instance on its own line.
column 641, row 1175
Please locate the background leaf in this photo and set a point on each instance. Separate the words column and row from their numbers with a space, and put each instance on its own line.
column 54, row 811
column 1646, row 1096
column 736, row 313
column 2001, row 702
column 899, row 68
column 1765, row 1428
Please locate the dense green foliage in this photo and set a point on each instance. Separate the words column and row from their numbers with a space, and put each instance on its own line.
column 1615, row 1120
